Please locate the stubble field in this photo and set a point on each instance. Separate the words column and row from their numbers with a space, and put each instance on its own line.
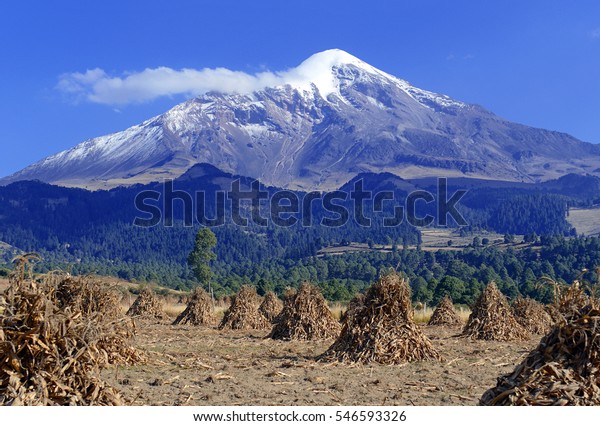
column 205, row 366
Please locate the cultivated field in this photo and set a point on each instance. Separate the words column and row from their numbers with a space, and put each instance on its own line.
column 433, row 239
column 204, row 366
column 585, row 221
column 69, row 343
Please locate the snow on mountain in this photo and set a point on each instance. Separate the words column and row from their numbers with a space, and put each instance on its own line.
column 320, row 71
column 323, row 122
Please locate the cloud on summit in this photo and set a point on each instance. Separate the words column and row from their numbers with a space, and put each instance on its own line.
column 97, row 86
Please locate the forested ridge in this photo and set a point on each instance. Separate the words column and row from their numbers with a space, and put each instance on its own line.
column 86, row 232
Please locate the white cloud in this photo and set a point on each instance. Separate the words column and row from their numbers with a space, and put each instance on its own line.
column 137, row 87
column 98, row 87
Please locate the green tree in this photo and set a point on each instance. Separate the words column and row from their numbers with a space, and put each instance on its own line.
column 200, row 258
column 263, row 287
column 474, row 289
column 451, row 286
column 421, row 291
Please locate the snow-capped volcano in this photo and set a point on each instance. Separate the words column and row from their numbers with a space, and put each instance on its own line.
column 322, row 71
column 315, row 127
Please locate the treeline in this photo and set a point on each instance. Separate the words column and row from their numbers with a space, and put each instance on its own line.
column 510, row 211
column 533, row 213
column 92, row 232
column 461, row 274
column 159, row 254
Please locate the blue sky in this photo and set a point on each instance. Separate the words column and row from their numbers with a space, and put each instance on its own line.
column 535, row 62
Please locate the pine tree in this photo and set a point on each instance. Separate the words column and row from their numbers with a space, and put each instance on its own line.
column 200, row 258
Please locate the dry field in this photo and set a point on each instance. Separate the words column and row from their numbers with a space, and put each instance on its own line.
column 433, row 239
column 585, row 221
column 204, row 366
column 164, row 364
column 191, row 365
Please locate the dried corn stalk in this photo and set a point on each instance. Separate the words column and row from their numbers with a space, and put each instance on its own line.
column 305, row 316
column 51, row 354
column 271, row 306
column 243, row 313
column 532, row 315
column 199, row 311
column 382, row 329
column 445, row 314
column 563, row 370
column 492, row 319
column 147, row 305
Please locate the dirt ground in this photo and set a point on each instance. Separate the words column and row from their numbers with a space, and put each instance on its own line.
column 204, row 366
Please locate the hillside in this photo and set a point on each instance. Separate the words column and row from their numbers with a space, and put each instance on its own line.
column 87, row 231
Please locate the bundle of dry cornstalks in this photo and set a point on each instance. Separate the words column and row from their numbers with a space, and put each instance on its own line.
column 572, row 300
column 271, row 306
column 147, row 305
column 243, row 313
column 305, row 316
column 354, row 306
column 51, row 352
column 85, row 294
column 445, row 314
column 532, row 315
column 199, row 311
column 224, row 301
column 93, row 297
column 563, row 370
column 183, row 299
column 492, row 319
column 568, row 299
column 96, row 299
column 382, row 330
column 554, row 313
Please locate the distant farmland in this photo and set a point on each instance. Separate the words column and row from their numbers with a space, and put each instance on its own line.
column 585, row 221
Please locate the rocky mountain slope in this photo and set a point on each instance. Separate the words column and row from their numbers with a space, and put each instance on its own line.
column 338, row 117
